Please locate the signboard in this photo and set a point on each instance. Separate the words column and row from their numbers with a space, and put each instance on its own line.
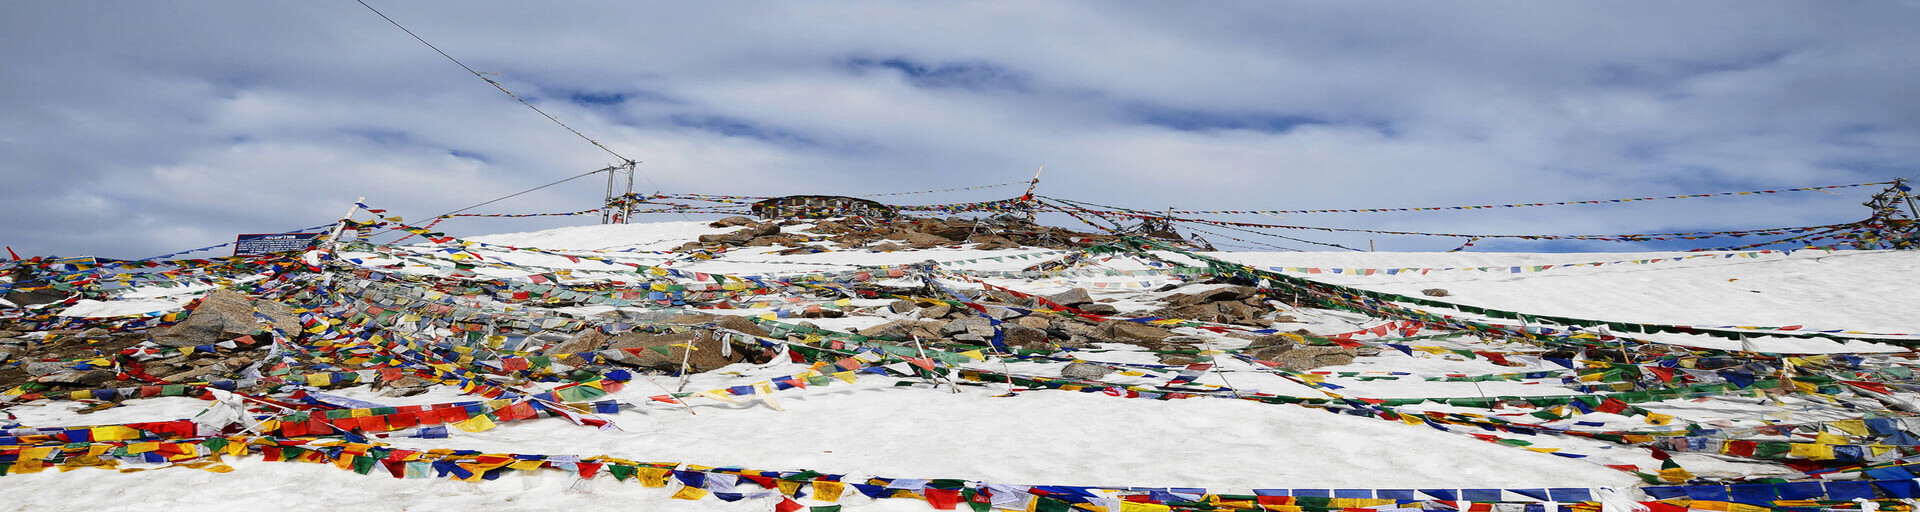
column 258, row 244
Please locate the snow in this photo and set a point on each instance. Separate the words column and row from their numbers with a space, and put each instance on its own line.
column 1050, row 437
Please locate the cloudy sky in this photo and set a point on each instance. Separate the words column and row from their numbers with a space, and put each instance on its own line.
column 130, row 129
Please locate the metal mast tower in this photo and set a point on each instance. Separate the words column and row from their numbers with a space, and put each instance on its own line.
column 619, row 202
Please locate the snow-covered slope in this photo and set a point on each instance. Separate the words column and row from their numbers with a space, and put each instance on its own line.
column 1004, row 434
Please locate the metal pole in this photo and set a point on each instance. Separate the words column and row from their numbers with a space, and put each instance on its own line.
column 333, row 239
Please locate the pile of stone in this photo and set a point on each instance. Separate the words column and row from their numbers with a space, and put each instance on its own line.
column 58, row 359
column 897, row 234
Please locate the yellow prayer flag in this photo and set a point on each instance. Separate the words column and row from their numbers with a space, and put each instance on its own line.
column 1854, row 427
column 828, row 491
column 1811, row 451
column 690, row 493
column 846, row 376
column 478, row 423
column 652, row 477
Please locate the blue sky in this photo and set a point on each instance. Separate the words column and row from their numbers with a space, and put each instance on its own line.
column 129, row 129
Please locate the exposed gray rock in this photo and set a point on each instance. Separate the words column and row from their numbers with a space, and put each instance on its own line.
column 40, row 368
column 225, row 314
column 78, row 378
column 904, row 329
column 1072, row 297
column 1085, row 371
column 1099, row 309
column 1034, row 321
column 732, row 221
column 1003, row 313
column 1026, row 337
column 1307, row 358
column 1435, row 292
column 940, row 310
column 901, row 307
column 965, row 324
column 1131, row 331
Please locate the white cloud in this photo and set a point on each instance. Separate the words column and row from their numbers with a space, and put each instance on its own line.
column 135, row 129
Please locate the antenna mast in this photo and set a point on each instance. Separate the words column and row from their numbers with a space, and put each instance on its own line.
column 620, row 199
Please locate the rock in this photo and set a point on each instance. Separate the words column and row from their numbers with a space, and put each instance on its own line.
column 919, row 239
column 1037, row 322
column 11, row 334
column 1176, row 359
column 731, row 222
column 42, row 368
column 1075, row 340
column 1085, row 371
column 1072, row 297
column 1223, row 293
column 405, row 386
column 1003, row 313
column 723, row 238
column 762, row 229
column 1029, row 338
column 1435, row 292
column 734, row 322
column 904, row 329
column 95, row 334
column 991, row 242
column 77, row 378
column 1131, row 331
column 5, row 356
column 1308, row 358
column 901, row 307
column 940, row 310
column 1270, row 352
column 884, row 247
column 708, row 354
column 963, row 324
column 1004, row 297
column 587, row 341
column 1099, row 309
column 225, row 314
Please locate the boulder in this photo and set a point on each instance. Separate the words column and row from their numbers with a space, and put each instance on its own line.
column 1308, row 358
column 1029, row 338
column 225, row 314
column 708, row 354
column 1099, row 309
column 587, row 341
column 939, row 310
column 1003, row 313
column 406, row 386
column 734, row 322
column 1435, row 292
column 1214, row 295
column 991, row 242
column 1071, row 297
column 1269, row 352
column 77, row 378
column 1131, row 331
column 904, row 329
column 924, row 240
column 1085, row 371
column 1034, row 321
column 732, row 221
column 901, row 307
column 40, row 368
